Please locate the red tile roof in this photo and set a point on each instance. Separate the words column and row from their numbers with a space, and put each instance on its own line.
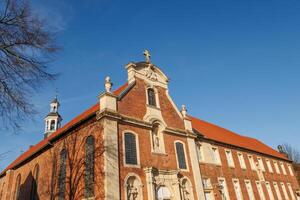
column 222, row 135
column 209, row 130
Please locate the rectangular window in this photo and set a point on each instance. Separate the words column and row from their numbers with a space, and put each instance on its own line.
column 229, row 158
column 216, row 155
column 251, row 161
column 261, row 164
column 276, row 167
column 224, row 189
column 208, row 195
column 241, row 160
column 291, row 191
column 180, row 155
column 291, row 170
column 200, row 152
column 206, row 184
column 237, row 189
column 269, row 190
column 286, row 196
column 249, row 190
column 130, row 149
column 279, row 197
column 269, row 166
column 283, row 168
column 208, row 189
column 260, row 190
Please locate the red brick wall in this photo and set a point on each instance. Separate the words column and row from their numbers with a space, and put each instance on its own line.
column 214, row 171
column 75, row 145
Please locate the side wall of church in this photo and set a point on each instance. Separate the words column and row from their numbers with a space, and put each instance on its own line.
column 74, row 143
column 214, row 171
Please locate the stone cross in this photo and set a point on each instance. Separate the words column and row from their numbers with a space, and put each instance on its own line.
column 147, row 56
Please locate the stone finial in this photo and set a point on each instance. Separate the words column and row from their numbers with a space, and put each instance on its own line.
column 147, row 55
column 108, row 84
column 183, row 110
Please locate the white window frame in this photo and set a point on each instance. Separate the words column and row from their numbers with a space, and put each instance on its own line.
column 291, row 191
column 208, row 189
column 137, row 149
column 251, row 161
column 156, row 97
column 286, row 196
column 276, row 166
column 269, row 190
column 241, row 160
column 278, row 194
column 283, row 168
column 269, row 165
column 238, row 190
column 249, row 189
column 229, row 158
column 185, row 155
column 261, row 164
column 223, row 180
column 291, row 170
column 200, row 153
column 216, row 155
column 260, row 190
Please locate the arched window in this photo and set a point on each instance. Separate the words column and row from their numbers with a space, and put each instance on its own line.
column 130, row 149
column 89, row 166
column 62, row 175
column 163, row 193
column 52, row 125
column 17, row 189
column 151, row 97
column 180, row 155
column 34, row 184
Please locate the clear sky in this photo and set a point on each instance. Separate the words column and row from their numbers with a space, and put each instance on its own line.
column 235, row 63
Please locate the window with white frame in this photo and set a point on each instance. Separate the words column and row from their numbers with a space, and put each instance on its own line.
column 290, row 170
column 291, row 191
column 260, row 190
column 200, row 152
column 251, row 161
column 279, row 197
column 181, row 158
column 276, row 167
column 215, row 155
column 269, row 166
column 237, row 189
column 208, row 189
column 286, row 196
column 223, row 189
column 249, row 190
column 269, row 190
column 229, row 158
column 261, row 164
column 283, row 168
column 241, row 160
column 206, row 184
column 130, row 149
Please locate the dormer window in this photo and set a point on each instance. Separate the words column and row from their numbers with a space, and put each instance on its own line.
column 151, row 97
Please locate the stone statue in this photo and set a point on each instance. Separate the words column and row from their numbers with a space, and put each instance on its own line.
column 132, row 192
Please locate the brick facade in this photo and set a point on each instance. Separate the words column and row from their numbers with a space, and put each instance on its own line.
column 129, row 110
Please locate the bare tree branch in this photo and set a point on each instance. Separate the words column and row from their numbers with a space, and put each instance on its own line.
column 292, row 152
column 26, row 47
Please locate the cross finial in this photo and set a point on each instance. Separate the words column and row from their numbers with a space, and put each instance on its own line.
column 147, row 55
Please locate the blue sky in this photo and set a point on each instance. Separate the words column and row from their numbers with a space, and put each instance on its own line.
column 235, row 63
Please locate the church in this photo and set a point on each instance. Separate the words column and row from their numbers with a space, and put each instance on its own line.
column 136, row 144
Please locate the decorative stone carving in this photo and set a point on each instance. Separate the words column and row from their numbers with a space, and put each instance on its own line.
column 108, row 84
column 133, row 188
column 183, row 110
column 150, row 73
column 147, row 55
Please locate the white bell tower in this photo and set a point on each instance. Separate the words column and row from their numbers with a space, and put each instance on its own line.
column 53, row 119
